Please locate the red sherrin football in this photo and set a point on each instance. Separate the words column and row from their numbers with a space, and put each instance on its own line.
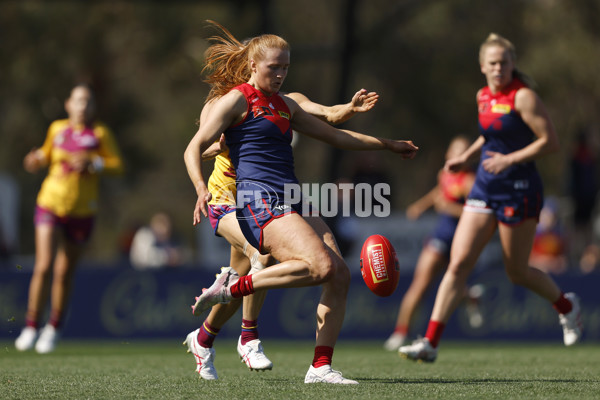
column 379, row 265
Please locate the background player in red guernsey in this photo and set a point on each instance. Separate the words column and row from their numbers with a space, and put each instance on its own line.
column 77, row 150
column 507, row 195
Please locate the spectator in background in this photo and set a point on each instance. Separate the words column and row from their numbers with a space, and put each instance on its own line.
column 549, row 244
column 77, row 150
column 154, row 246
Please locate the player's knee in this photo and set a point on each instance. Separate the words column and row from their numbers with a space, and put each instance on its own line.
column 517, row 277
column 460, row 268
column 43, row 270
column 323, row 267
column 342, row 276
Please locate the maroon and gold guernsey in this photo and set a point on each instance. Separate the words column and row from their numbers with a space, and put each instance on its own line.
column 64, row 191
column 221, row 183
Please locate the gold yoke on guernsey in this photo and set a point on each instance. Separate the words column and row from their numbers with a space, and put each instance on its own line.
column 66, row 192
column 221, row 183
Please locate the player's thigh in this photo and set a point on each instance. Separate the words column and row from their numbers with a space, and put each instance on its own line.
column 472, row 234
column 341, row 269
column 292, row 238
column 321, row 228
column 230, row 229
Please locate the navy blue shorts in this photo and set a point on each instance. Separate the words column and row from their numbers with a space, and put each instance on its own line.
column 511, row 207
column 441, row 240
column 256, row 215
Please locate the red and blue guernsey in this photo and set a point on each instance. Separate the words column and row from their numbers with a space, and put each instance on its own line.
column 261, row 152
column 517, row 192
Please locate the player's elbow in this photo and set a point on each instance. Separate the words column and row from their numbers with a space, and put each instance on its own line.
column 188, row 155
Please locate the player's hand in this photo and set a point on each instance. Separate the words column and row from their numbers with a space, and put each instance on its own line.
column 201, row 207
column 363, row 101
column 32, row 161
column 215, row 149
column 79, row 161
column 455, row 164
column 405, row 148
column 496, row 162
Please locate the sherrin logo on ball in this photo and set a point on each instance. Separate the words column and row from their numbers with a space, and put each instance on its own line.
column 379, row 265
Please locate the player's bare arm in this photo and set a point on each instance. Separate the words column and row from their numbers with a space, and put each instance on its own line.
column 362, row 101
column 455, row 164
column 345, row 139
column 225, row 112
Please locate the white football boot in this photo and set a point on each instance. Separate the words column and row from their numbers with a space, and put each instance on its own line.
column 46, row 343
column 204, row 356
column 326, row 375
column 26, row 339
column 571, row 322
column 419, row 350
column 219, row 292
column 394, row 342
column 253, row 354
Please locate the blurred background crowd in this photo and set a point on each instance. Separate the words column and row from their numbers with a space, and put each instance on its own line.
column 144, row 61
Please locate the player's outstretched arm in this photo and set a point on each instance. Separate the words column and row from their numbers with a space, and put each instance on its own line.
column 346, row 139
column 362, row 101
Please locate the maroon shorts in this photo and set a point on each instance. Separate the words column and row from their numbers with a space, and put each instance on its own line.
column 76, row 229
column 218, row 211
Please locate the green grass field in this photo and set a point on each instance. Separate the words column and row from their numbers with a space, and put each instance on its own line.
column 163, row 370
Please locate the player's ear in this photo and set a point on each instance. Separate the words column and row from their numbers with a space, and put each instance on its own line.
column 252, row 65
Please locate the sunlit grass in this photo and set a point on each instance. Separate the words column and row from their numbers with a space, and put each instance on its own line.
column 163, row 370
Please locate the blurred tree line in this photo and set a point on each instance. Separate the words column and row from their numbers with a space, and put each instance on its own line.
column 144, row 60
